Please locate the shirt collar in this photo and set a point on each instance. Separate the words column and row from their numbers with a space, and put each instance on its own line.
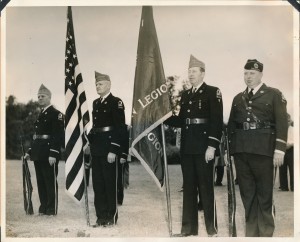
column 197, row 87
column 105, row 96
column 44, row 109
column 255, row 89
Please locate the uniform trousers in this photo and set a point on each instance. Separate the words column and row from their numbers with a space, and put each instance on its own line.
column 121, row 183
column 255, row 175
column 197, row 174
column 47, row 186
column 287, row 164
column 104, row 177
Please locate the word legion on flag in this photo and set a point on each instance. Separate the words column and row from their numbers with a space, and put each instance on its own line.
column 154, row 95
column 151, row 103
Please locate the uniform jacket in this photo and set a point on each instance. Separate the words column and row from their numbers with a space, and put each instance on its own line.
column 50, row 122
column 205, row 103
column 109, row 113
column 269, row 106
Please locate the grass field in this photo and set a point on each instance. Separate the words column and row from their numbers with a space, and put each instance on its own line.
column 143, row 213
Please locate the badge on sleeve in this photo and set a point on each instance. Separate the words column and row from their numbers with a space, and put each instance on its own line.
column 219, row 94
column 60, row 116
column 120, row 105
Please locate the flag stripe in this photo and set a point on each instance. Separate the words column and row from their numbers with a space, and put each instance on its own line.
column 77, row 117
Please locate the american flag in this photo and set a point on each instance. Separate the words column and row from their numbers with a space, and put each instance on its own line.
column 76, row 119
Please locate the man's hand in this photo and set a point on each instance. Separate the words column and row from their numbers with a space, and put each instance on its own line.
column 52, row 160
column 209, row 154
column 278, row 159
column 122, row 160
column 111, row 157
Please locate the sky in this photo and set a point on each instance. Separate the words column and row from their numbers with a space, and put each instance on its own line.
column 223, row 37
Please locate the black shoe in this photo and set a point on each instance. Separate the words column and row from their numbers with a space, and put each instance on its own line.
column 184, row 234
column 284, row 189
column 99, row 222
column 110, row 222
column 120, row 203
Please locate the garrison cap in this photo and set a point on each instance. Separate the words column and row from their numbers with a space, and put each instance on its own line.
column 101, row 77
column 196, row 63
column 44, row 90
column 253, row 64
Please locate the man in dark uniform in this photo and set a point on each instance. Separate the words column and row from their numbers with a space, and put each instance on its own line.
column 288, row 161
column 123, row 165
column 105, row 140
column 45, row 151
column 258, row 134
column 201, row 120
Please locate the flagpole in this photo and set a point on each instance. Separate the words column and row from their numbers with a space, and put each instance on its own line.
column 87, row 213
column 167, row 180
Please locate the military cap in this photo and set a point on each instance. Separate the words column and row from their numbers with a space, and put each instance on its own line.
column 101, row 77
column 253, row 64
column 44, row 90
column 196, row 63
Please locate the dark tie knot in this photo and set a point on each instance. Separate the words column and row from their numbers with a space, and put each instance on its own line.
column 250, row 94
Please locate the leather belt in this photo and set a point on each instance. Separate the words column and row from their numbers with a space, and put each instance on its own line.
column 254, row 125
column 103, row 129
column 41, row 136
column 196, row 121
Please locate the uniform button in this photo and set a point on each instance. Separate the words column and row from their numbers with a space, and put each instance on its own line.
column 96, row 111
column 104, row 111
column 95, row 118
column 188, row 110
column 248, row 119
column 250, row 101
column 248, row 113
column 36, row 127
column 187, row 127
column 250, row 108
column 190, row 102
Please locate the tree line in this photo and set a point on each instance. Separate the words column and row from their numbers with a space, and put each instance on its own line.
column 20, row 118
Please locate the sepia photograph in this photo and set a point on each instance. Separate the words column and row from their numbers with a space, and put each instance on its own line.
column 161, row 120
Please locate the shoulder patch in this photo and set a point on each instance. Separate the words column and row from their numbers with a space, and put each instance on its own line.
column 219, row 94
column 60, row 116
column 120, row 104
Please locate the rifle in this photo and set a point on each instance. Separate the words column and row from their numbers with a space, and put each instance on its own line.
column 231, row 191
column 27, row 185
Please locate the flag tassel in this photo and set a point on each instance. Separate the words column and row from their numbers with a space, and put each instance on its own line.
column 167, row 180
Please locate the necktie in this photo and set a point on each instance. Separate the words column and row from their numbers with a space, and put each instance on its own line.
column 101, row 99
column 250, row 94
column 194, row 89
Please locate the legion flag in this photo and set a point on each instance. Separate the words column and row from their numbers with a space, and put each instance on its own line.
column 151, row 104
column 76, row 117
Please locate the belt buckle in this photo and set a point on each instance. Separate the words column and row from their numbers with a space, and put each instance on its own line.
column 196, row 121
column 34, row 137
column 252, row 125
column 188, row 121
column 246, row 126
